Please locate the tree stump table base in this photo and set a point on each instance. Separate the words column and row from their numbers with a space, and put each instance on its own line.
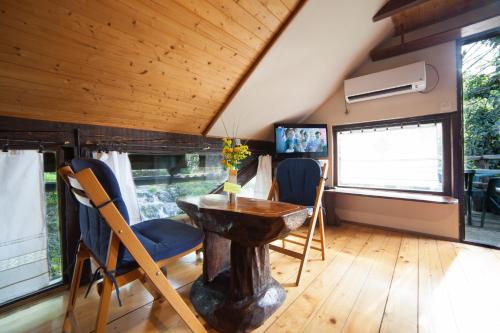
column 237, row 292
column 213, row 302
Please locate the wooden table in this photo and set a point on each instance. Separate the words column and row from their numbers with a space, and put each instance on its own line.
column 236, row 292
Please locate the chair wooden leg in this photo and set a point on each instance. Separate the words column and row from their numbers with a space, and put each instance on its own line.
column 305, row 254
column 322, row 233
column 483, row 214
column 469, row 210
column 102, row 314
column 157, row 296
column 81, row 256
column 107, row 285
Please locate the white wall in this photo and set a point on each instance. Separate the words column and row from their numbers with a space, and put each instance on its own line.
column 325, row 42
column 441, row 220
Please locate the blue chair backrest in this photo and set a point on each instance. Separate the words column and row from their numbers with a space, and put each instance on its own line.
column 297, row 180
column 95, row 231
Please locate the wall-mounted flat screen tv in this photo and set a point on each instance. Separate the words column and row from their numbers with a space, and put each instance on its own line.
column 301, row 140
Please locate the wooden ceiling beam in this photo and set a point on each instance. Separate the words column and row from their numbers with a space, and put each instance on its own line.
column 393, row 7
column 254, row 65
column 435, row 39
column 433, row 12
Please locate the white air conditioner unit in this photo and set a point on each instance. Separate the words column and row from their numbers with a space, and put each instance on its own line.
column 396, row 81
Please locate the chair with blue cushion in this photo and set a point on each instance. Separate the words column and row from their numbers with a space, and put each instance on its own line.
column 301, row 181
column 125, row 253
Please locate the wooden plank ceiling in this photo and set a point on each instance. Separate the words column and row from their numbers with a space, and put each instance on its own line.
column 162, row 65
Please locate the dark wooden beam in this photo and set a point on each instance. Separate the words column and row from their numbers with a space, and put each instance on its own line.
column 254, row 65
column 245, row 174
column 380, row 53
column 430, row 13
column 29, row 133
column 395, row 6
column 414, row 45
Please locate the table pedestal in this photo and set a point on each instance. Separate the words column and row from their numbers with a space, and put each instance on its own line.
column 242, row 298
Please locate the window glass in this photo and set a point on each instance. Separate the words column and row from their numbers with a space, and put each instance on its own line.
column 406, row 157
column 52, row 217
column 248, row 190
column 161, row 179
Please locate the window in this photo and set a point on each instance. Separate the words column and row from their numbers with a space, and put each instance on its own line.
column 30, row 250
column 411, row 155
column 161, row 179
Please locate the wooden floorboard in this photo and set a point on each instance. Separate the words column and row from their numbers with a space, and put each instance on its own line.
column 401, row 310
column 371, row 281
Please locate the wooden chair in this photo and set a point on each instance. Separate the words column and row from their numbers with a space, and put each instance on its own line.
column 124, row 253
column 468, row 178
column 491, row 198
column 301, row 181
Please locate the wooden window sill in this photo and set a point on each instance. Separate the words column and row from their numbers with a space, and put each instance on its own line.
column 419, row 197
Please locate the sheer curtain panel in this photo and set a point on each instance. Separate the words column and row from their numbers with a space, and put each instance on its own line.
column 264, row 177
column 24, row 266
column 120, row 164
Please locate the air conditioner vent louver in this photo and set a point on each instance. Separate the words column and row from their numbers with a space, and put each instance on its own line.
column 401, row 80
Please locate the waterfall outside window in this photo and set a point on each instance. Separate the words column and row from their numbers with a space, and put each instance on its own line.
column 161, row 179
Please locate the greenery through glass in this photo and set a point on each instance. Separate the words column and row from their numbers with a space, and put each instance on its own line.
column 52, row 219
column 481, row 102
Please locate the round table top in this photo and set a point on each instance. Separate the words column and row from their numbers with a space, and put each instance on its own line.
column 252, row 222
column 242, row 205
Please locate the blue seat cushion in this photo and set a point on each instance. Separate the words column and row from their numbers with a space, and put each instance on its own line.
column 162, row 238
column 94, row 230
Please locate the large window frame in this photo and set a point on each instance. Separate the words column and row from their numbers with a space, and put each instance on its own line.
column 444, row 118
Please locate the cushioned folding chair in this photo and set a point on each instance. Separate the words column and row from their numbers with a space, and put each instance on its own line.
column 301, row 181
column 124, row 253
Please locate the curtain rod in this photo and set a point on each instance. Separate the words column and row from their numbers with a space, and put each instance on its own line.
column 389, row 125
column 32, row 131
column 7, row 141
column 119, row 140
column 124, row 146
column 121, row 147
column 40, row 143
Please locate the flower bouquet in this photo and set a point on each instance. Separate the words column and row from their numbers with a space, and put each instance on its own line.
column 233, row 152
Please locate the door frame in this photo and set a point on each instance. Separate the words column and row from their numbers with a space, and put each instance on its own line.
column 459, row 145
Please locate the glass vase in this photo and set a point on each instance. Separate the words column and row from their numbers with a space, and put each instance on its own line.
column 232, row 178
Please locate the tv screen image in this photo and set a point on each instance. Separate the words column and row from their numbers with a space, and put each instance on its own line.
column 304, row 140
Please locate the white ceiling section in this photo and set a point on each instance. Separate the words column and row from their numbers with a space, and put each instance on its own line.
column 326, row 41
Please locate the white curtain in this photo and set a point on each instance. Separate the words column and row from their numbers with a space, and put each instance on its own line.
column 24, row 266
column 120, row 164
column 264, row 177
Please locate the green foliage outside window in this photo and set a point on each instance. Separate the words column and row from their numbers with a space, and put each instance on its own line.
column 481, row 101
column 52, row 218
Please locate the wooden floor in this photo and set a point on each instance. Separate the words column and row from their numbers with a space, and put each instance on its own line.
column 372, row 281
